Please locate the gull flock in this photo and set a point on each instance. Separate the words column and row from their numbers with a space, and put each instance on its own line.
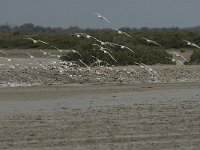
column 79, row 65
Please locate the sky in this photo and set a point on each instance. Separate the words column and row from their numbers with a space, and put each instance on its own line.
column 122, row 13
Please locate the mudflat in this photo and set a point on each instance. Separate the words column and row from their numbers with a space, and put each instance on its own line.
column 149, row 116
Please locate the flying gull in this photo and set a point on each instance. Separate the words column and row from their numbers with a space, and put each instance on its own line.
column 102, row 17
column 192, row 44
column 37, row 41
column 122, row 32
column 151, row 41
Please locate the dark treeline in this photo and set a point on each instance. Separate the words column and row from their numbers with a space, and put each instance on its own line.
column 29, row 27
column 14, row 37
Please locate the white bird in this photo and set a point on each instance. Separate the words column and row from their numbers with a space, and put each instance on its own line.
column 150, row 70
column 151, row 41
column 140, row 65
column 101, row 42
column 101, row 48
column 76, row 34
column 84, row 64
column 143, row 66
column 83, row 34
column 60, row 50
column 74, row 51
column 121, row 46
column 8, row 59
column 102, row 17
column 98, row 61
column 68, row 50
column 106, row 52
column 89, row 36
column 45, row 53
column 122, row 32
column 31, row 56
column 192, row 44
column 18, row 59
column 3, row 52
column 172, row 59
column 129, row 71
column 36, row 41
column 179, row 55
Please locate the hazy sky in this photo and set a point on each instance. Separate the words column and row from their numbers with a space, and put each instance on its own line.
column 128, row 13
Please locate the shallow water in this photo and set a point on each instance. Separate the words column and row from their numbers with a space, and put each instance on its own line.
column 94, row 101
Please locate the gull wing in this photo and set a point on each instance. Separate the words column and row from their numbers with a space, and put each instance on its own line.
column 195, row 45
column 184, row 58
column 187, row 41
column 145, row 38
column 43, row 42
column 112, row 57
column 97, row 14
column 3, row 52
column 74, row 51
column 127, row 34
column 106, row 19
column 129, row 49
column 156, row 43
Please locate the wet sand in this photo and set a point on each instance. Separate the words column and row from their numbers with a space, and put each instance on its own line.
column 115, row 116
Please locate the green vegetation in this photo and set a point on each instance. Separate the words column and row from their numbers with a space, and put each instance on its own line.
column 15, row 38
column 195, row 57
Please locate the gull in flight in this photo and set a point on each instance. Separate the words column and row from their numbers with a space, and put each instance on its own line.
column 102, row 43
column 106, row 52
column 83, row 34
column 150, row 70
column 60, row 50
column 69, row 50
column 31, row 56
column 121, row 32
column 84, row 64
column 102, row 17
column 191, row 44
column 101, row 48
column 98, row 61
column 140, row 64
column 8, row 59
column 74, row 51
column 36, row 41
column 172, row 59
column 89, row 36
column 151, row 41
column 179, row 55
column 45, row 53
column 121, row 46
column 3, row 52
